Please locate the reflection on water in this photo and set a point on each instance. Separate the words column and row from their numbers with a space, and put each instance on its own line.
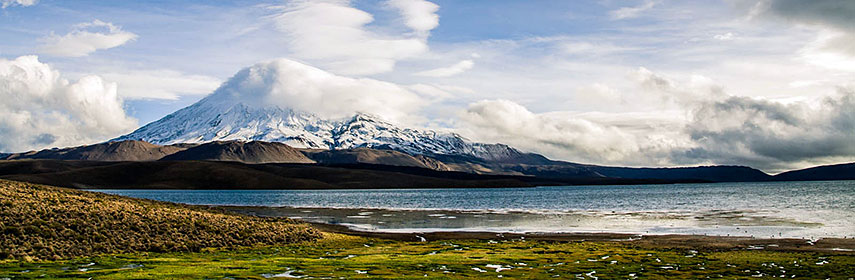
column 786, row 209
column 734, row 223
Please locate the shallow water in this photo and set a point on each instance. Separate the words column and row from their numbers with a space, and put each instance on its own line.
column 773, row 209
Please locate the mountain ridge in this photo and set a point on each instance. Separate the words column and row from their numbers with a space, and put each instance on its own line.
column 258, row 152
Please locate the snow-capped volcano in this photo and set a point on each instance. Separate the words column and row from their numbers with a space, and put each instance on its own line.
column 250, row 107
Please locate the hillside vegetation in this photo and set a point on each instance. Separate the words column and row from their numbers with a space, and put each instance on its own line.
column 44, row 222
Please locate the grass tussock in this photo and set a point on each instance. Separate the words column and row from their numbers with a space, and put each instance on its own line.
column 44, row 222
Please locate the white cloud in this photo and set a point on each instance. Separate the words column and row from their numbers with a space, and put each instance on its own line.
column 774, row 135
column 833, row 50
column 82, row 41
column 160, row 84
column 419, row 15
column 336, row 36
column 834, row 47
column 597, row 94
column 23, row 3
column 289, row 84
column 830, row 13
column 695, row 122
column 724, row 37
column 41, row 109
column 431, row 92
column 632, row 12
column 587, row 48
column 566, row 136
column 452, row 70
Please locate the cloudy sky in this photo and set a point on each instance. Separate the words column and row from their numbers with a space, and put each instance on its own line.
column 768, row 83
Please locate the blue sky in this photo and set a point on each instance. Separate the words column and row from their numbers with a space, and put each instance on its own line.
column 635, row 82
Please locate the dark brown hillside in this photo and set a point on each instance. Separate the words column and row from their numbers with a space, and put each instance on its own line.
column 166, row 175
column 128, row 150
column 235, row 175
column 374, row 156
column 246, row 152
column 844, row 171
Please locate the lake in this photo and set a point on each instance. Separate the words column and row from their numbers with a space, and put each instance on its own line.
column 767, row 209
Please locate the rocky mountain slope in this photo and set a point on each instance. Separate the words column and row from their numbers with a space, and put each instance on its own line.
column 374, row 156
column 247, row 152
column 131, row 150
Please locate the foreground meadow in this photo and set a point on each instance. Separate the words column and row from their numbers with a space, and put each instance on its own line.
column 347, row 257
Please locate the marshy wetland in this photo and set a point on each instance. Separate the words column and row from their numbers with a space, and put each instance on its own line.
column 341, row 256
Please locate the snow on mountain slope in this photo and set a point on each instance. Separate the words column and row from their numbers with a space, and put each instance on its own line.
column 247, row 107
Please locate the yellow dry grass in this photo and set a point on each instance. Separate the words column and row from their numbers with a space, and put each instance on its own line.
column 44, row 222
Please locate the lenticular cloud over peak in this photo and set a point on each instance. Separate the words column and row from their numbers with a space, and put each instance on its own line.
column 288, row 84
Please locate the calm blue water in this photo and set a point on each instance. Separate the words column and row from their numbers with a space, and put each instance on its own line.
column 803, row 208
column 776, row 195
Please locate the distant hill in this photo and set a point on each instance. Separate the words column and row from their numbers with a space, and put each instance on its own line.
column 236, row 175
column 844, row 171
column 132, row 150
column 247, row 152
column 706, row 173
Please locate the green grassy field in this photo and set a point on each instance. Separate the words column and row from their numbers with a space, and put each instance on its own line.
column 340, row 256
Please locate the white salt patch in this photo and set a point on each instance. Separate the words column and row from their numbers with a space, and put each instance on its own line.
column 498, row 267
column 286, row 274
column 591, row 274
column 132, row 266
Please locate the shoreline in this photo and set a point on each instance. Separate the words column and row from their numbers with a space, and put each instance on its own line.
column 825, row 245
column 746, row 223
column 835, row 246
